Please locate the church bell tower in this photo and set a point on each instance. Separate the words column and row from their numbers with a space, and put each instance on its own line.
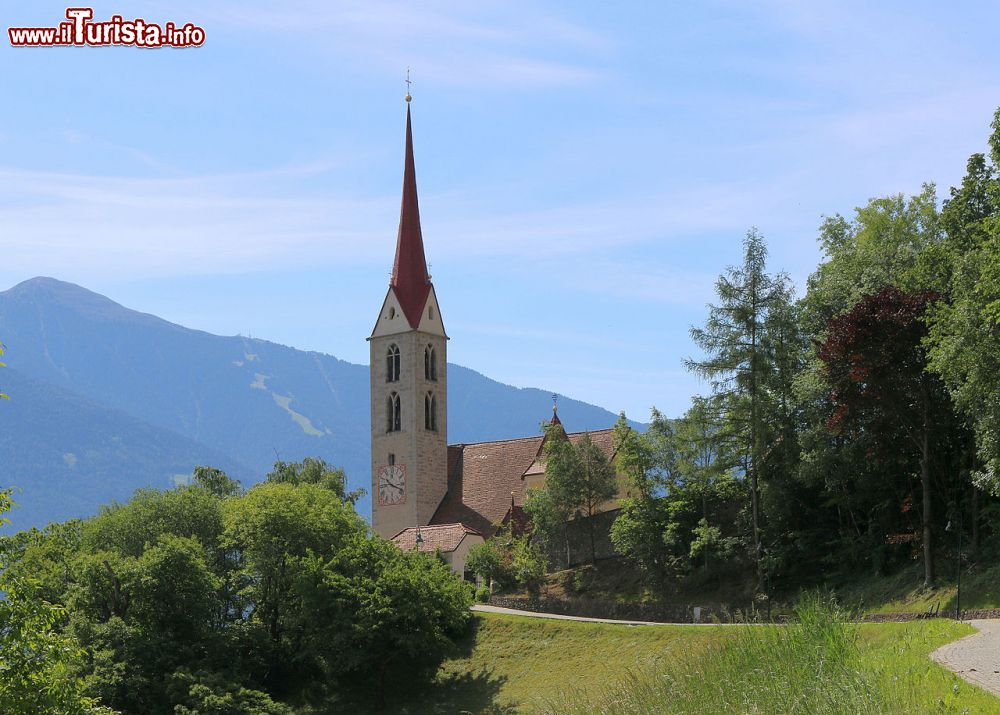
column 409, row 380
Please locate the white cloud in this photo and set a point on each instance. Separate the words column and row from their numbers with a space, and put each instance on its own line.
column 53, row 222
column 509, row 44
column 242, row 222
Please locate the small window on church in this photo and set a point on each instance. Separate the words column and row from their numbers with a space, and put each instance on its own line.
column 392, row 458
column 392, row 313
column 393, row 416
column 430, row 412
column 392, row 364
column 430, row 312
column 430, row 364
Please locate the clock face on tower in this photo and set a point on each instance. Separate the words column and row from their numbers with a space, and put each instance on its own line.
column 391, row 484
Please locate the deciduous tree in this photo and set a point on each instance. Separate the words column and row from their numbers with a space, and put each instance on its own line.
column 882, row 393
column 579, row 481
column 37, row 661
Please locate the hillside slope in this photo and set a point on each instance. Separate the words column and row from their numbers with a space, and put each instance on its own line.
column 65, row 455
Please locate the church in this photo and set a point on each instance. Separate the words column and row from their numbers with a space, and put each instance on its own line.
column 426, row 493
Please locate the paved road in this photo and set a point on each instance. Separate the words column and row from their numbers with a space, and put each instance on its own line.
column 556, row 616
column 975, row 658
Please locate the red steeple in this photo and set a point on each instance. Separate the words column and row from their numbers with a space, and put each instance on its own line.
column 410, row 279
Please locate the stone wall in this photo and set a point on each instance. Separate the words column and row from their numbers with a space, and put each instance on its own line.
column 920, row 615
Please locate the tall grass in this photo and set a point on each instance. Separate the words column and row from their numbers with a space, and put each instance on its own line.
column 809, row 666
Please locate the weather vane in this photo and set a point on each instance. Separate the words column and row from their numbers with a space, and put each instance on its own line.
column 555, row 402
column 408, row 83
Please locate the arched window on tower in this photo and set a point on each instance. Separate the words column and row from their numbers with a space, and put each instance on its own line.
column 392, row 364
column 430, row 363
column 430, row 412
column 393, row 416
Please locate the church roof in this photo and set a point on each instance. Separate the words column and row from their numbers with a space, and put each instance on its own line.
column 410, row 280
column 446, row 537
column 484, row 478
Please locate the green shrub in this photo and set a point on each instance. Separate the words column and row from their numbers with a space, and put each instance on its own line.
column 529, row 564
column 486, row 561
column 483, row 595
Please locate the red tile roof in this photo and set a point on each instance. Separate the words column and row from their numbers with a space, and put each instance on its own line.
column 484, row 478
column 410, row 280
column 446, row 537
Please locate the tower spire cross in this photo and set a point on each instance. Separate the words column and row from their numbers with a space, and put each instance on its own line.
column 408, row 83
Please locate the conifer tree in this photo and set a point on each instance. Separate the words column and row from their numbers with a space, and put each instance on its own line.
column 736, row 364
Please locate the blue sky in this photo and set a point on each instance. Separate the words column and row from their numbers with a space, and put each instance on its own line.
column 585, row 169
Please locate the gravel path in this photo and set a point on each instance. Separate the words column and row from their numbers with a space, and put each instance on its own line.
column 975, row 658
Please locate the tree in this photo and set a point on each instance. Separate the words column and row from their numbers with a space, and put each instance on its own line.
column 486, row 561
column 642, row 520
column 173, row 592
column 551, row 506
column 207, row 693
column 579, row 480
column 704, row 473
column 379, row 617
column 37, row 662
column 527, row 564
column 881, row 245
column 881, row 391
column 549, row 518
column 788, row 502
column 314, row 471
column 735, row 361
column 597, row 484
column 709, row 541
column 964, row 335
column 269, row 532
column 506, row 560
column 216, row 481
column 203, row 600
column 681, row 493
column 132, row 527
column 842, row 492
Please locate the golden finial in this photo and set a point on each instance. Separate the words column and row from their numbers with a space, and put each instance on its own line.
column 408, row 83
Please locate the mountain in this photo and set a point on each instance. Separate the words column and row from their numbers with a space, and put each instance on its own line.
column 105, row 399
column 66, row 455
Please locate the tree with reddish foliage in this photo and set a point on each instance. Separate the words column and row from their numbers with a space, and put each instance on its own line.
column 880, row 391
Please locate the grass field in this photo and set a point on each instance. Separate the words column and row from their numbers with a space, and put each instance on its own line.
column 514, row 664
